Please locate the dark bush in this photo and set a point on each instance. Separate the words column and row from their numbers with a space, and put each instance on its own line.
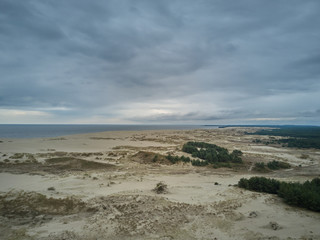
column 161, row 188
column 260, row 167
column 175, row 159
column 275, row 165
column 199, row 163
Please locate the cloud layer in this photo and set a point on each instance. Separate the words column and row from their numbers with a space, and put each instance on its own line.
column 171, row 61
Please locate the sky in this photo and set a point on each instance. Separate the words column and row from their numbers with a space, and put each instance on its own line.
column 160, row 62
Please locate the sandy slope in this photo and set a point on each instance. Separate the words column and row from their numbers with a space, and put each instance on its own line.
column 201, row 202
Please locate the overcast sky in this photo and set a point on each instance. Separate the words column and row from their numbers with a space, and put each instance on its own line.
column 158, row 61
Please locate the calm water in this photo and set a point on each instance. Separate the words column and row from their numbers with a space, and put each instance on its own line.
column 41, row 131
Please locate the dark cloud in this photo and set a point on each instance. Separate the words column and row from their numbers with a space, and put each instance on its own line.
column 191, row 116
column 311, row 114
column 310, row 61
column 160, row 61
column 307, row 68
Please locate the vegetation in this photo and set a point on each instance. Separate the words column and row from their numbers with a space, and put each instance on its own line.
column 17, row 155
column 260, row 184
column 199, row 163
column 175, row 159
column 71, row 163
column 161, row 188
column 260, row 167
column 150, row 158
column 297, row 136
column 305, row 194
column 273, row 165
column 203, row 154
column 24, row 156
column 301, row 143
column 207, row 154
column 211, row 153
column 33, row 204
column 223, row 165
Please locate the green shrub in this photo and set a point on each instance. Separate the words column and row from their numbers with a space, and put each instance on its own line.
column 155, row 158
column 275, row 165
column 161, row 188
column 211, row 153
column 260, row 167
column 175, row 159
column 199, row 163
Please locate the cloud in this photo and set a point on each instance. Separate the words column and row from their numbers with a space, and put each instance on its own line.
column 17, row 116
column 203, row 61
column 310, row 114
column 171, row 117
column 272, row 119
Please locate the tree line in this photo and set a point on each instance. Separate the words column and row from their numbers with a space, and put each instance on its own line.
column 297, row 136
column 306, row 195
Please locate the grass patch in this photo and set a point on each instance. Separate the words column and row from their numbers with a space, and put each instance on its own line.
column 17, row 156
column 222, row 165
column 150, row 157
column 27, row 156
column 57, row 165
column 28, row 204
column 76, row 164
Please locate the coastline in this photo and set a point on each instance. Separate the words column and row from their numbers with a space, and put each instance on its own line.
column 17, row 131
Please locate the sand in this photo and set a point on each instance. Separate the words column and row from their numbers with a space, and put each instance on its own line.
column 113, row 197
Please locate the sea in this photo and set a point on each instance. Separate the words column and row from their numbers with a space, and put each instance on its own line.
column 57, row 130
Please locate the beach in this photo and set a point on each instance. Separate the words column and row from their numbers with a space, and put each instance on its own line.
column 101, row 186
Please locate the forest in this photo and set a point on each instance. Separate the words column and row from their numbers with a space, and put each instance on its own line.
column 306, row 195
column 296, row 136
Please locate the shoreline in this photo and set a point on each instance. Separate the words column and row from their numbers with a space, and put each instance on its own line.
column 29, row 131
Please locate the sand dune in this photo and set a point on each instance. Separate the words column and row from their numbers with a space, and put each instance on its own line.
column 106, row 194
